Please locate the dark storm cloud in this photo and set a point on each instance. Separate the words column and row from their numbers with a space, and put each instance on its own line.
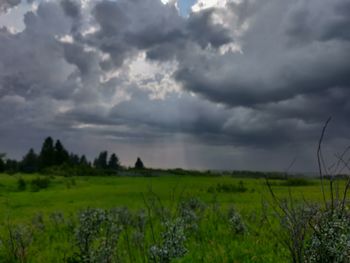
column 273, row 66
column 189, row 115
column 328, row 20
column 31, row 61
column 130, row 26
column 290, row 50
column 205, row 31
column 71, row 8
column 85, row 61
column 70, row 72
column 174, row 114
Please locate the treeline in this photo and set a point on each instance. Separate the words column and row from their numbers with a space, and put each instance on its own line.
column 54, row 158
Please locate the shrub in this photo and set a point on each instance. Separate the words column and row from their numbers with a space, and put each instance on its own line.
column 39, row 183
column 173, row 243
column 235, row 221
column 314, row 233
column 228, row 188
column 57, row 218
column 296, row 182
column 191, row 211
column 21, row 184
column 97, row 235
column 139, row 223
column 38, row 222
column 330, row 241
column 16, row 241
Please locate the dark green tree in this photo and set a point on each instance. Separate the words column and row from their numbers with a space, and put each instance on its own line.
column 30, row 162
column 2, row 162
column 114, row 163
column 83, row 161
column 74, row 159
column 61, row 154
column 47, row 153
column 139, row 164
column 101, row 161
column 11, row 166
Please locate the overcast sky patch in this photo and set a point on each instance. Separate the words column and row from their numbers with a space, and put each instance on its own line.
column 200, row 84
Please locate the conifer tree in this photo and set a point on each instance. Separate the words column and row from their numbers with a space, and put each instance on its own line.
column 74, row 159
column 61, row 154
column 101, row 161
column 30, row 162
column 47, row 153
column 83, row 161
column 139, row 164
column 113, row 163
column 2, row 162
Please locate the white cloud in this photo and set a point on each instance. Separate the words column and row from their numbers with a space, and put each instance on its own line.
column 153, row 76
column 13, row 18
column 204, row 4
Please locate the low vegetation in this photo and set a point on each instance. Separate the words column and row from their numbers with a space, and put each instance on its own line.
column 146, row 219
column 228, row 188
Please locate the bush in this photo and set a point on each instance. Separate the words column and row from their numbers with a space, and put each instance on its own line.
column 330, row 241
column 98, row 234
column 39, row 183
column 296, row 182
column 314, row 233
column 173, row 243
column 21, row 184
column 191, row 211
column 235, row 221
column 16, row 241
column 228, row 188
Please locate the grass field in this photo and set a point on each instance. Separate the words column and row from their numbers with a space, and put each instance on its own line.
column 211, row 242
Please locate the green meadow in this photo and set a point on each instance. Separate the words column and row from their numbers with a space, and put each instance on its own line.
column 212, row 241
column 69, row 194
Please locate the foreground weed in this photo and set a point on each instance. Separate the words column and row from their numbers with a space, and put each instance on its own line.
column 191, row 212
column 16, row 242
column 236, row 223
column 172, row 244
column 330, row 241
column 97, row 236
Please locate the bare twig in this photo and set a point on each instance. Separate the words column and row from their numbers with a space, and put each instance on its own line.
column 149, row 211
column 346, row 186
column 319, row 158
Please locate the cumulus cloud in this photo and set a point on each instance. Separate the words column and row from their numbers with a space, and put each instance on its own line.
column 276, row 62
column 258, row 76
column 7, row 4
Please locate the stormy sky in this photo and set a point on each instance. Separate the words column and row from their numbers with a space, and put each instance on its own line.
column 206, row 84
